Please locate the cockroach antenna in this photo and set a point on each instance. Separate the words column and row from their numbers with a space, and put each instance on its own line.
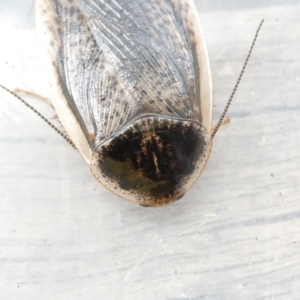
column 237, row 83
column 40, row 115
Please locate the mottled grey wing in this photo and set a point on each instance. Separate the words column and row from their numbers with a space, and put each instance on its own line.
column 87, row 83
column 151, row 46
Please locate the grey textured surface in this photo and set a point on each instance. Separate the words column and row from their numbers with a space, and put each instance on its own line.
column 235, row 235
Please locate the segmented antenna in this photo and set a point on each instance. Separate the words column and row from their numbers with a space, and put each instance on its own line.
column 238, row 82
column 40, row 115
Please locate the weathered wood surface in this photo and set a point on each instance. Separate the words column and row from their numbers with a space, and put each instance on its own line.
column 235, row 235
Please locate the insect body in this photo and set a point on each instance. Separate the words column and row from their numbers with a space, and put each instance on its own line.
column 130, row 81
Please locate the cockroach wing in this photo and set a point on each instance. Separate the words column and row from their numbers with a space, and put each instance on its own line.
column 157, row 49
column 90, row 99
column 132, row 86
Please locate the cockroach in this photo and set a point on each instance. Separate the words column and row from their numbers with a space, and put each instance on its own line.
column 131, row 83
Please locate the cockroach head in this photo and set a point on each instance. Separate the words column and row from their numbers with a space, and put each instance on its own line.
column 154, row 160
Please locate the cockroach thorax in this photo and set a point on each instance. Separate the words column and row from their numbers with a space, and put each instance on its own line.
column 154, row 160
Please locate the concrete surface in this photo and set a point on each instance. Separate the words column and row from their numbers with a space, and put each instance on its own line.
column 235, row 235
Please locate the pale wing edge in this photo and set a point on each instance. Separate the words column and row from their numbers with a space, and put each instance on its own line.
column 60, row 102
column 205, row 79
